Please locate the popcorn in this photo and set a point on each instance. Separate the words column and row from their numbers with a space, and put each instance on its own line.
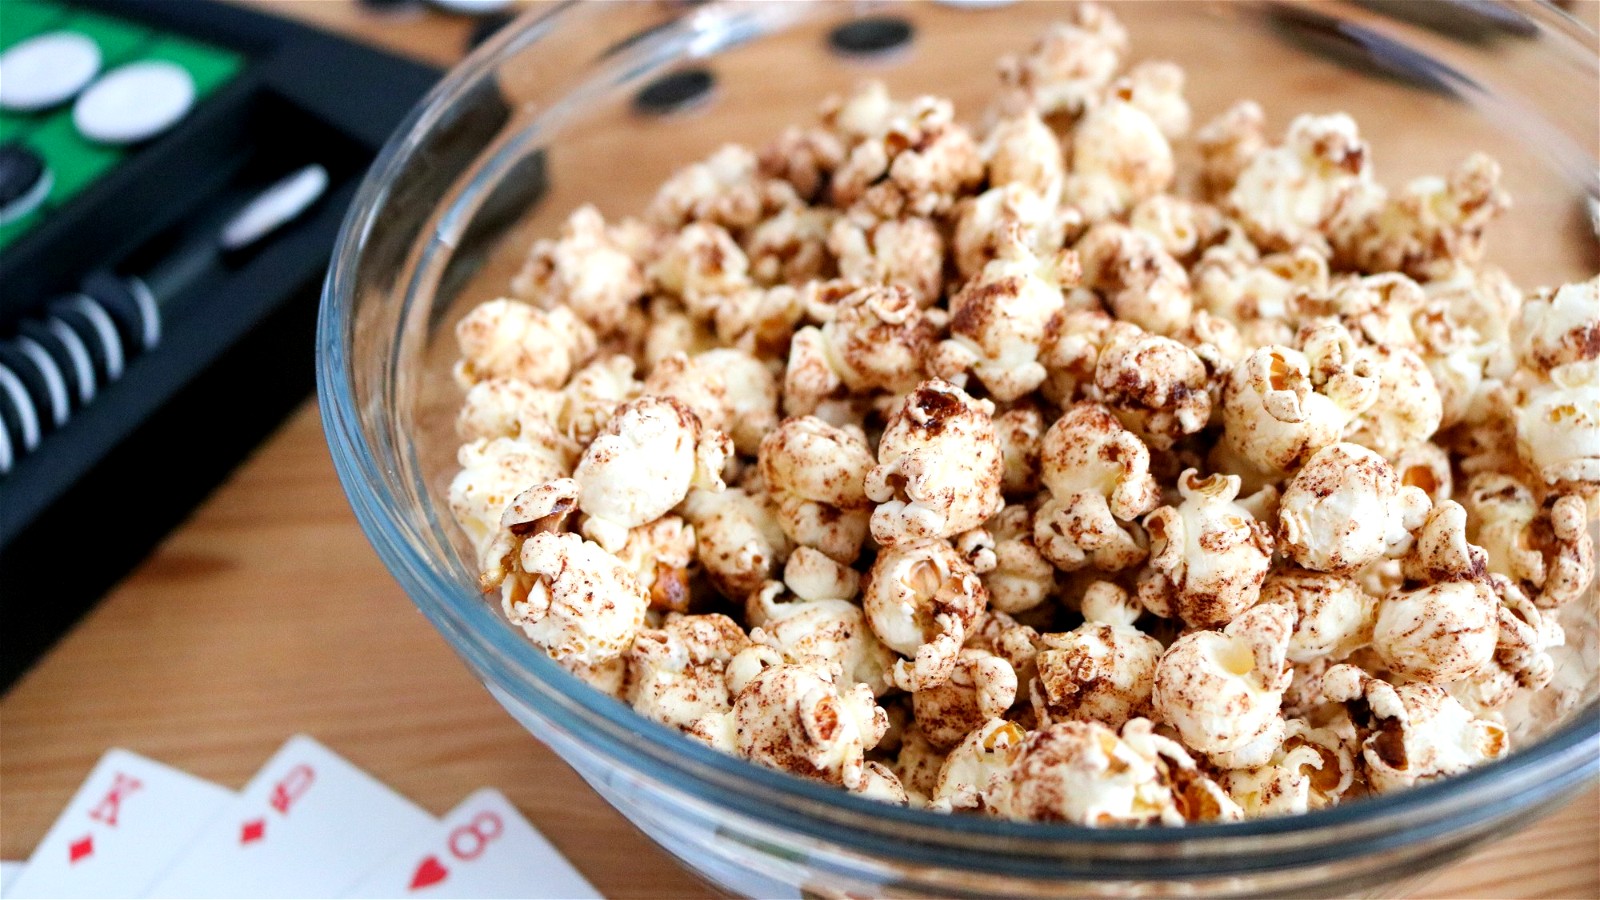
column 1157, row 89
column 677, row 674
column 1021, row 431
column 593, row 395
column 738, row 538
column 1558, row 427
column 978, row 765
column 1083, row 773
column 1006, row 214
column 1413, row 733
column 880, row 783
column 1071, row 351
column 729, row 390
column 822, row 632
column 1299, row 191
column 981, row 687
column 643, row 463
column 1311, row 770
column 1560, row 327
column 1408, row 408
column 939, row 467
column 1208, row 555
column 791, row 247
column 493, row 472
column 1547, row 548
column 1185, row 228
column 1426, row 466
column 1257, row 293
column 1446, row 629
column 510, row 339
column 1228, row 144
column 1333, row 614
column 1098, row 475
column 588, row 271
column 917, row 165
column 574, row 600
column 1102, row 670
column 1346, row 508
column 1141, row 282
column 1067, row 71
column 1155, row 385
column 1430, row 226
column 904, row 253
column 1222, row 690
column 800, row 720
column 701, row 265
column 1023, row 152
column 918, row 764
column 727, row 189
column 1021, row 578
column 505, row 407
column 999, row 319
column 660, row 555
column 816, row 474
column 1119, row 156
column 921, row 600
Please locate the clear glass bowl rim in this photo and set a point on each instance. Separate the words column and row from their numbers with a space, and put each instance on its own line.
column 1558, row 761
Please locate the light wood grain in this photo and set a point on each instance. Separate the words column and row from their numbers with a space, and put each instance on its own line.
column 267, row 614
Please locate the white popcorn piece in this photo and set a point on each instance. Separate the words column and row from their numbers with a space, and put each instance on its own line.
column 1414, row 733
column 878, row 782
column 493, row 472
column 999, row 319
column 1311, row 770
column 989, row 220
column 791, row 246
column 1098, row 475
column 816, row 474
column 702, row 265
column 1141, row 282
column 574, row 600
column 1021, row 433
column 1157, row 88
column 1185, row 228
column 981, row 687
column 1119, row 157
column 1066, row 72
column 510, row 339
column 1334, row 614
column 918, row 763
column 1258, row 293
column 1426, row 466
column 1408, row 408
column 1299, row 191
column 1022, row 151
column 822, row 632
column 977, row 765
column 908, row 253
column 922, row 600
column 1560, row 327
column 1227, row 144
column 660, row 554
column 1101, row 671
column 588, row 271
column 1547, row 549
column 1071, row 351
column 508, row 407
column 917, row 165
column 1431, row 225
column 939, row 467
column 1446, row 629
column 1346, row 508
column 643, row 463
column 729, row 390
column 1021, row 578
column 677, row 674
column 739, row 541
column 800, row 720
column 1158, row 387
column 593, row 395
column 1208, row 554
column 1558, row 427
column 1223, row 690
column 1083, row 773
column 726, row 188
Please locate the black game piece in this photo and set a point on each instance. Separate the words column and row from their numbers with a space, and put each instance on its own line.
column 22, row 181
column 869, row 37
column 675, row 92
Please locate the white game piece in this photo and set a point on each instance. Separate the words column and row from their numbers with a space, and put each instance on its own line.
column 134, row 102
column 27, row 417
column 55, row 381
column 473, row 7
column 274, row 207
column 45, row 70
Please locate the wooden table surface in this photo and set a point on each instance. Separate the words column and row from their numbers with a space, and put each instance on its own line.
column 267, row 614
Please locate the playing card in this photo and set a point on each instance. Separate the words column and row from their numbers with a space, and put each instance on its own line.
column 483, row 848
column 309, row 824
column 9, row 871
column 130, row 818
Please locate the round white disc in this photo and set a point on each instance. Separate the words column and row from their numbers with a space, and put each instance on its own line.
column 472, row 7
column 45, row 70
column 134, row 102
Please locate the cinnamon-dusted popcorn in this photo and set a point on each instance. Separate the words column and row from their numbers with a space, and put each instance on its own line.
column 907, row 253
column 922, row 600
column 1547, row 549
column 1021, row 578
column 1223, row 690
column 816, row 473
column 1334, row 614
column 1208, row 554
column 1083, row 773
column 589, row 271
column 1098, row 475
column 1227, row 144
column 677, row 674
column 1155, row 385
column 1299, row 191
column 1413, row 733
column 1103, row 670
column 1431, row 225
column 643, row 463
column 1445, row 629
column 800, row 719
column 1068, row 69
column 1345, row 508
column 1007, row 362
column 1560, row 327
column 510, row 339
column 999, row 319
column 981, row 687
column 1138, row 278
column 939, row 467
column 739, row 540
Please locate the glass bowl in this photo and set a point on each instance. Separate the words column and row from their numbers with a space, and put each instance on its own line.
column 600, row 102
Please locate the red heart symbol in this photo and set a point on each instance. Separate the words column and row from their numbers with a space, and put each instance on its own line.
column 429, row 872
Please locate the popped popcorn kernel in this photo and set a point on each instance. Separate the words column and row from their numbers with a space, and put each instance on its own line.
column 510, row 339
column 738, row 539
column 816, row 474
column 1560, row 327
column 1223, row 690
column 1100, row 671
column 1098, row 476
column 1345, row 508
column 821, row 632
column 921, row 600
column 981, row 687
column 1158, row 387
column 574, row 600
column 588, row 271
column 1431, row 225
column 1066, row 72
column 1228, row 144
column 677, row 673
column 1446, row 629
column 801, row 720
column 1299, row 191
column 1139, row 280
column 1311, row 770
column 939, row 467
column 1021, row 578
column 907, row 254
column 1334, row 614
column 1558, row 427
column 1208, row 555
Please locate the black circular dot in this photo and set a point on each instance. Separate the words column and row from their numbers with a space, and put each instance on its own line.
column 675, row 92
column 867, row 37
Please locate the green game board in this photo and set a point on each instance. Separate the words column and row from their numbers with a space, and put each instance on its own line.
column 75, row 161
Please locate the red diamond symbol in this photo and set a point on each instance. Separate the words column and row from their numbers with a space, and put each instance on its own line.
column 253, row 831
column 80, row 848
